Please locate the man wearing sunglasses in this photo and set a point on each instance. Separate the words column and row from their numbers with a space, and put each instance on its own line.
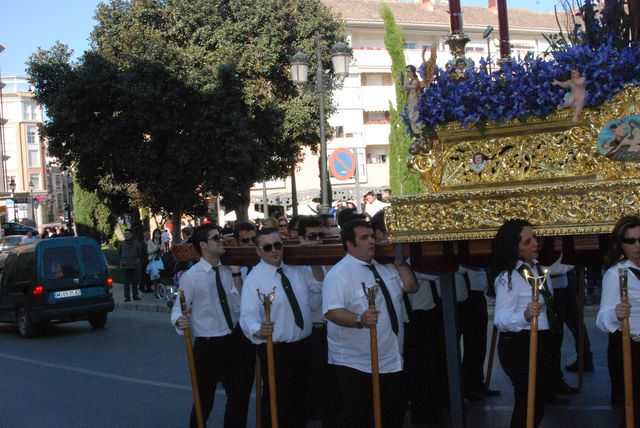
column 245, row 236
column 290, row 326
column 345, row 305
column 221, row 352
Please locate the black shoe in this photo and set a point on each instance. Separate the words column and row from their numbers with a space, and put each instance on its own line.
column 137, row 298
column 573, row 367
column 486, row 392
column 564, row 388
column 126, row 299
column 554, row 400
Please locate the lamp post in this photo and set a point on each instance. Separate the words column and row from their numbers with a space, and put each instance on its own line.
column 340, row 57
column 12, row 187
column 33, row 211
column 486, row 35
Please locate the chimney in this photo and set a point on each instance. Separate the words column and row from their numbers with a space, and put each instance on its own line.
column 492, row 6
column 428, row 4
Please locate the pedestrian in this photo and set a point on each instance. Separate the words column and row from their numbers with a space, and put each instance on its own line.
column 345, row 305
column 129, row 260
column 29, row 238
column 221, row 352
column 145, row 287
column 624, row 253
column 515, row 249
column 372, row 204
column 283, row 225
column 155, row 248
column 289, row 328
column 166, row 240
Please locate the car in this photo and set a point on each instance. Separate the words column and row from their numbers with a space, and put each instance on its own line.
column 6, row 244
column 13, row 228
column 55, row 281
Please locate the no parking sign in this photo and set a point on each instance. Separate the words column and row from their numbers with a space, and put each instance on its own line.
column 342, row 164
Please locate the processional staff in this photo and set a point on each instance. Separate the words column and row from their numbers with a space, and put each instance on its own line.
column 192, row 362
column 370, row 293
column 626, row 352
column 266, row 300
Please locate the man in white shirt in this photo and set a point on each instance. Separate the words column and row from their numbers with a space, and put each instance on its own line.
column 372, row 205
column 221, row 352
column 345, row 305
column 290, row 326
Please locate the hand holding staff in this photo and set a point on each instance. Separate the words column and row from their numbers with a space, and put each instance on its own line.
column 267, row 299
column 375, row 370
column 532, row 312
column 622, row 312
column 192, row 363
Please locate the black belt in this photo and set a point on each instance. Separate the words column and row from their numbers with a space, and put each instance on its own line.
column 319, row 325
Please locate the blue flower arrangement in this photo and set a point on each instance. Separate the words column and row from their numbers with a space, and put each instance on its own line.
column 521, row 89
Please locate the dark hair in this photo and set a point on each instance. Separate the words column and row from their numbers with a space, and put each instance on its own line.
column 201, row 234
column 377, row 222
column 348, row 214
column 307, row 222
column 505, row 246
column 242, row 226
column 615, row 254
column 347, row 231
column 412, row 68
column 293, row 223
column 265, row 231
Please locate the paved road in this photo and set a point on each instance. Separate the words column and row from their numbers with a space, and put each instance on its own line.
column 134, row 373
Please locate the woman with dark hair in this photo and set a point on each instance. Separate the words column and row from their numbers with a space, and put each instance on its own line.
column 624, row 253
column 515, row 249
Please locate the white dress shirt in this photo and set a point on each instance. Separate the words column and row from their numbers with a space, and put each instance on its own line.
column 375, row 206
column 201, row 295
column 512, row 299
column 558, row 272
column 607, row 320
column 423, row 299
column 264, row 277
column 342, row 289
column 477, row 280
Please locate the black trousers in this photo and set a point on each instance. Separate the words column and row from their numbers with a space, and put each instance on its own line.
column 571, row 317
column 230, row 360
column 292, row 366
column 356, row 395
column 323, row 402
column 513, row 351
column 616, row 373
column 560, row 305
column 425, row 365
column 474, row 338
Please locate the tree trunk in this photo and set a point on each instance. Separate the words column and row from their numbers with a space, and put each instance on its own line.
column 241, row 206
column 176, row 224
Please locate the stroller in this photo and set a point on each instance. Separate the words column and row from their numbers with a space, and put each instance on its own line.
column 179, row 260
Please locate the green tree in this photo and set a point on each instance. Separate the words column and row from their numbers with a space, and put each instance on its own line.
column 184, row 99
column 401, row 179
column 92, row 216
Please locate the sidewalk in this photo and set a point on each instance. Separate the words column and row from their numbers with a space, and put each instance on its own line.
column 148, row 303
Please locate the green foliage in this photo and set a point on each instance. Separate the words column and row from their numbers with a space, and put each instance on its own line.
column 184, row 99
column 93, row 217
column 401, row 179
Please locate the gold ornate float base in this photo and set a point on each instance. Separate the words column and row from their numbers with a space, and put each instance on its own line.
column 549, row 172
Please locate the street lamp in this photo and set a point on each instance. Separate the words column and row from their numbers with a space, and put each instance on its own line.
column 12, row 186
column 485, row 35
column 340, row 57
column 33, row 211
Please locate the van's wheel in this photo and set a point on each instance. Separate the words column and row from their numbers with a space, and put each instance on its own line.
column 98, row 321
column 25, row 324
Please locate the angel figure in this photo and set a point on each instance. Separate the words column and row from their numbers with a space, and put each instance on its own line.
column 577, row 93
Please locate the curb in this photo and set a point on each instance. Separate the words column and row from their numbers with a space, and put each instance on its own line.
column 147, row 304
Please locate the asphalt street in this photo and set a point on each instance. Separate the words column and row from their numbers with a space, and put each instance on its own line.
column 134, row 373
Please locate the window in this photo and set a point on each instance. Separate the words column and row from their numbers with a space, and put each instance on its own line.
column 32, row 135
column 376, row 79
column 10, row 147
column 60, row 262
column 338, row 132
column 409, row 45
column 35, row 179
column 92, row 260
column 374, row 117
column 34, row 157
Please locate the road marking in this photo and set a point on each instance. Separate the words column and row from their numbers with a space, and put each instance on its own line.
column 219, row 391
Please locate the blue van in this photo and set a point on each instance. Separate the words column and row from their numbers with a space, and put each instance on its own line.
column 55, row 280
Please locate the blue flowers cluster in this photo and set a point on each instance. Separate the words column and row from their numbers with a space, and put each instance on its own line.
column 521, row 89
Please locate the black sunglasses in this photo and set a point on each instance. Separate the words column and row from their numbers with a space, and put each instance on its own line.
column 247, row 240
column 283, row 225
column 216, row 238
column 270, row 247
column 312, row 236
column 630, row 241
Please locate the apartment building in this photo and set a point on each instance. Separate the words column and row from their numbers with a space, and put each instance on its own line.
column 361, row 122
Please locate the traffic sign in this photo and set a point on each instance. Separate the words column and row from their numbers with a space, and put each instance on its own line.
column 342, row 164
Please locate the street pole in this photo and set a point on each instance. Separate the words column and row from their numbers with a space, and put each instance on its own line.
column 294, row 190
column 324, row 204
column 265, row 207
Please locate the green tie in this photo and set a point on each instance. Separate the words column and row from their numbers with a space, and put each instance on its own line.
column 222, row 296
column 297, row 314
column 387, row 299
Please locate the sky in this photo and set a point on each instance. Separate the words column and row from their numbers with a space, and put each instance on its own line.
column 30, row 24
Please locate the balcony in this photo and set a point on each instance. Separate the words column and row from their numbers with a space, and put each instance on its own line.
column 377, row 134
column 376, row 98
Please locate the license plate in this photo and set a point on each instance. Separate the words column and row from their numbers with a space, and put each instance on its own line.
column 66, row 293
